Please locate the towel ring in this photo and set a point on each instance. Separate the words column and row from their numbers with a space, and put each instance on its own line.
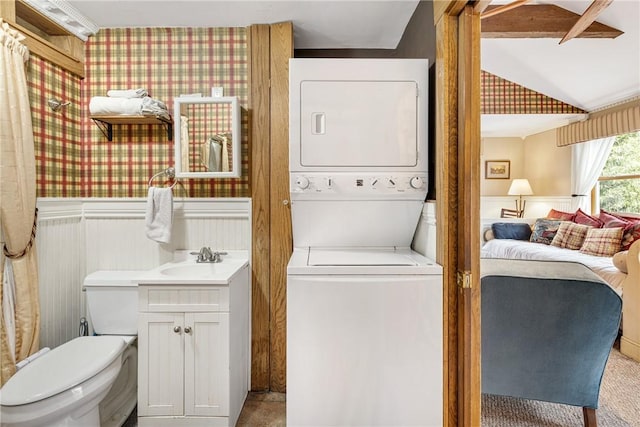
column 169, row 172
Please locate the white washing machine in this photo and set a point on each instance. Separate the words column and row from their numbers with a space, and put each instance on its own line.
column 364, row 311
column 364, row 338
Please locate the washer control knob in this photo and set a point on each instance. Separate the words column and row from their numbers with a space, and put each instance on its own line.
column 416, row 182
column 302, row 182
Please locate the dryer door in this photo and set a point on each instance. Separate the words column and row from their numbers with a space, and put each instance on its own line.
column 358, row 123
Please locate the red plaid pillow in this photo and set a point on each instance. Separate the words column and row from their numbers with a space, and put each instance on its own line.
column 602, row 241
column 583, row 218
column 562, row 216
column 570, row 235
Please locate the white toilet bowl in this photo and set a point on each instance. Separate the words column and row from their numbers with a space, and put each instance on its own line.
column 65, row 386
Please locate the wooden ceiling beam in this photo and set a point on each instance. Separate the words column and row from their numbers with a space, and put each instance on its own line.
column 480, row 5
column 540, row 21
column 587, row 18
column 503, row 8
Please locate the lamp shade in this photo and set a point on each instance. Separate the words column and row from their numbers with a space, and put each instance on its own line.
column 520, row 187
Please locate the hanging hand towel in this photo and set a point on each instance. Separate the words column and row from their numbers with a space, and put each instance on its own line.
column 159, row 215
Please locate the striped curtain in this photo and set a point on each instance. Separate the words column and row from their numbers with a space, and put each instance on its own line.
column 611, row 122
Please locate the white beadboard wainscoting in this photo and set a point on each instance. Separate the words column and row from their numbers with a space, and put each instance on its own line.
column 60, row 241
column 78, row 236
column 536, row 207
column 424, row 241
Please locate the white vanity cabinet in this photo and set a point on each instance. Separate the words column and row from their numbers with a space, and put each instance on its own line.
column 193, row 352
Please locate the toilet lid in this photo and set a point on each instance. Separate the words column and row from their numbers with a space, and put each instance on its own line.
column 60, row 369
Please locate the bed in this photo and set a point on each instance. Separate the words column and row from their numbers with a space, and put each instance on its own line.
column 625, row 284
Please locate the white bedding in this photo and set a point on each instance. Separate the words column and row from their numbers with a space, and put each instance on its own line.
column 521, row 249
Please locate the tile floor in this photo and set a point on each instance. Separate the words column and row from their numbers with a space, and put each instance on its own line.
column 263, row 410
column 260, row 410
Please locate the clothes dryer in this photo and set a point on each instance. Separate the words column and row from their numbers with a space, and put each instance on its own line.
column 364, row 311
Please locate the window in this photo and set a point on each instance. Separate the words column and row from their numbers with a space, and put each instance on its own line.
column 618, row 188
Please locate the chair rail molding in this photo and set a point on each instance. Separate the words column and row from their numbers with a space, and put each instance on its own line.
column 537, row 206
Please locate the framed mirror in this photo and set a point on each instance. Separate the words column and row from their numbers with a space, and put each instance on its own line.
column 207, row 137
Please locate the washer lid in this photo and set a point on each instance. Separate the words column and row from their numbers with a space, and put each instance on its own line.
column 61, row 369
column 360, row 261
column 364, row 257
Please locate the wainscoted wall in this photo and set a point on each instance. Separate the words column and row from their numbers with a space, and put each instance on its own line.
column 61, row 266
column 536, row 207
column 76, row 237
column 424, row 241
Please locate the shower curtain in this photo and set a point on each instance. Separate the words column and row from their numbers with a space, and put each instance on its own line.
column 20, row 327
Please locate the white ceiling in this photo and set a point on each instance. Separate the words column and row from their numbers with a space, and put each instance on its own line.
column 318, row 24
column 587, row 73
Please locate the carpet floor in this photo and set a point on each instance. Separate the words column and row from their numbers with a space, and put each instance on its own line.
column 619, row 403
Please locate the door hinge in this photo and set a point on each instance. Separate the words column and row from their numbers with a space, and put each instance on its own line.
column 464, row 279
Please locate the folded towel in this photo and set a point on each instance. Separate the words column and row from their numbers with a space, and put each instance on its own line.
column 159, row 215
column 153, row 107
column 107, row 105
column 128, row 106
column 127, row 93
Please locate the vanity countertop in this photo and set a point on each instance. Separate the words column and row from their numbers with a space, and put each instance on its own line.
column 184, row 270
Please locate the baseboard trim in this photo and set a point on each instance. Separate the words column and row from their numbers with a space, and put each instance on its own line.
column 630, row 348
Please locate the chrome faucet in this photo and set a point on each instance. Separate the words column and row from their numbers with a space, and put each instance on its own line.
column 206, row 255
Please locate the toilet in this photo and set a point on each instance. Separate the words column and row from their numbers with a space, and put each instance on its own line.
column 89, row 381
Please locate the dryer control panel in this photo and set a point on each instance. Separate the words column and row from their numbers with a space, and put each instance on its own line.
column 359, row 185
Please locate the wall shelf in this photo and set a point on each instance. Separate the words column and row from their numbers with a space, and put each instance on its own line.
column 106, row 122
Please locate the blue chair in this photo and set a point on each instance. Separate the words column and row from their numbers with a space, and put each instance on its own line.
column 547, row 331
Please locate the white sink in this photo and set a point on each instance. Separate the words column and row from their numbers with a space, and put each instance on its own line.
column 194, row 269
column 186, row 271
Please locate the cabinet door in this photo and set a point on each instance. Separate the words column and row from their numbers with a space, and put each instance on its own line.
column 160, row 371
column 206, row 370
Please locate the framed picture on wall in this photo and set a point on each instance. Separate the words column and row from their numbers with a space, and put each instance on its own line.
column 497, row 169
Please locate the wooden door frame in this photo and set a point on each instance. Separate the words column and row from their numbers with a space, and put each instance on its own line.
column 270, row 47
column 458, row 203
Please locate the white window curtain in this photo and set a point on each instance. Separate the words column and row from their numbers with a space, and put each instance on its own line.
column 587, row 161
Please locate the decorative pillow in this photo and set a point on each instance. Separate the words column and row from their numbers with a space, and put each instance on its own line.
column 544, row 230
column 631, row 234
column 583, row 218
column 570, row 235
column 628, row 217
column 562, row 216
column 610, row 221
column 620, row 261
column 602, row 241
column 511, row 230
column 488, row 235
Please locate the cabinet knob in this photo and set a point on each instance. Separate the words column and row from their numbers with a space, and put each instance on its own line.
column 177, row 329
column 187, row 329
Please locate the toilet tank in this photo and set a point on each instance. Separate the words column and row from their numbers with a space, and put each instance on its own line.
column 112, row 301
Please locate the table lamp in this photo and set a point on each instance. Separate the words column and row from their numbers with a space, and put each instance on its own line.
column 520, row 187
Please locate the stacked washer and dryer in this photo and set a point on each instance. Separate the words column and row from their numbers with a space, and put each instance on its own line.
column 364, row 311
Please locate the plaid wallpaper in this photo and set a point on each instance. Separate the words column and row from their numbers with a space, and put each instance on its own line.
column 500, row 96
column 56, row 134
column 167, row 62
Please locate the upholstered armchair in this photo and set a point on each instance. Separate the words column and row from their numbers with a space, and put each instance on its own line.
column 547, row 331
